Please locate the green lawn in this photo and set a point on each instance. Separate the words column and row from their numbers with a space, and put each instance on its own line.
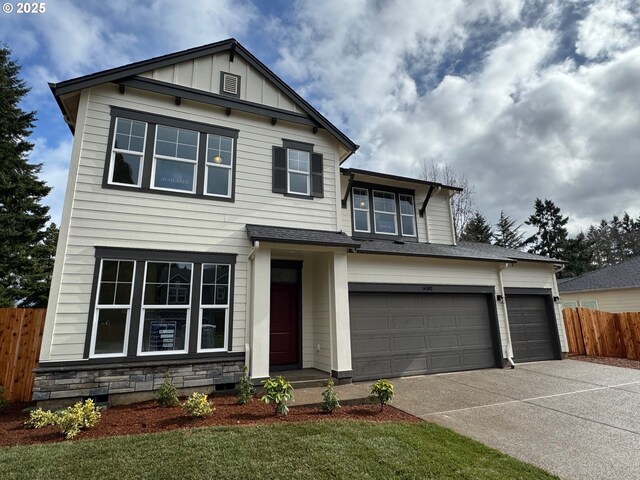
column 303, row 450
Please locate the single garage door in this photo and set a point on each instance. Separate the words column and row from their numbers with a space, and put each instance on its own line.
column 531, row 331
column 399, row 334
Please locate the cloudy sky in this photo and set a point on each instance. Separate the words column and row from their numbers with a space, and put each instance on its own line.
column 536, row 98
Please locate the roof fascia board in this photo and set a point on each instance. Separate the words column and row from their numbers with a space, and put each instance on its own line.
column 348, row 171
column 188, row 93
column 139, row 67
column 428, row 255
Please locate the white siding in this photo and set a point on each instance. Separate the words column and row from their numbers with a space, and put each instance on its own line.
column 416, row 270
column 437, row 213
column 615, row 301
column 204, row 74
column 132, row 219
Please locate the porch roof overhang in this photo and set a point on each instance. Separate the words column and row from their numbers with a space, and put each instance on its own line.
column 300, row 236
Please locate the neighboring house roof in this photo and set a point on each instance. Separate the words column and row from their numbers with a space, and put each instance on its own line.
column 300, row 236
column 461, row 251
column 623, row 275
column 232, row 45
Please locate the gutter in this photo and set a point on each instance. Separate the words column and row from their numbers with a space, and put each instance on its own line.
column 506, row 316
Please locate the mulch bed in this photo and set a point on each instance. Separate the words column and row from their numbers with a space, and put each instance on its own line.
column 147, row 417
column 616, row 362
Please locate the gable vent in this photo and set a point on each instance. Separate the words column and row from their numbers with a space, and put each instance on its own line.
column 230, row 84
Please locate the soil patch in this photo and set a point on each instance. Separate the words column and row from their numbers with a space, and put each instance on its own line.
column 615, row 362
column 147, row 417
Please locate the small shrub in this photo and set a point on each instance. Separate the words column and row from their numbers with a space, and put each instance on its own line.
column 329, row 398
column 167, row 395
column 197, row 405
column 245, row 387
column 70, row 420
column 278, row 391
column 40, row 418
column 3, row 402
column 381, row 391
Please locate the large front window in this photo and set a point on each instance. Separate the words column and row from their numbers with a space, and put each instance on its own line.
column 157, row 311
column 384, row 213
column 182, row 157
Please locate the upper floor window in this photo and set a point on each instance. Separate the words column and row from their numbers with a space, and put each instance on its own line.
column 298, row 170
column 377, row 211
column 171, row 156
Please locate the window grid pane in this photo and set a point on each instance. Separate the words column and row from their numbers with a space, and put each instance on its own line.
column 361, row 210
column 384, row 208
column 128, row 151
column 168, row 284
column 407, row 216
column 214, row 306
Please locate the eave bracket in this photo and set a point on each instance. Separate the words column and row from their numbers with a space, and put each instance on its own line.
column 346, row 194
column 426, row 201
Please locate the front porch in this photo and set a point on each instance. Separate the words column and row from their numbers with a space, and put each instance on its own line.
column 298, row 318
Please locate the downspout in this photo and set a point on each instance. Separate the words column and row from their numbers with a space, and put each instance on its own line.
column 506, row 316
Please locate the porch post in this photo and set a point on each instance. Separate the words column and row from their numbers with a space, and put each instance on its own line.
column 340, row 329
column 260, row 311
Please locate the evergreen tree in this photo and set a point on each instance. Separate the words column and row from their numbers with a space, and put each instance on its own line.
column 477, row 230
column 25, row 241
column 552, row 234
column 507, row 235
column 577, row 252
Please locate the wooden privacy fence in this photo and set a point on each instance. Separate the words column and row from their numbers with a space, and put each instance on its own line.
column 603, row 334
column 20, row 338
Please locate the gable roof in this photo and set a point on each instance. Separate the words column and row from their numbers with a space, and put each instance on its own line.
column 387, row 176
column 623, row 275
column 234, row 48
column 301, row 236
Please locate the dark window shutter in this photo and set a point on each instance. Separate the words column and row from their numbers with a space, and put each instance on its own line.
column 317, row 182
column 279, row 170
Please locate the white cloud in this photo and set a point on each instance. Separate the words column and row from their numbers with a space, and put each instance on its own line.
column 610, row 27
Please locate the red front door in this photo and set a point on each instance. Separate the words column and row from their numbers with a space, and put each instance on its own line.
column 283, row 338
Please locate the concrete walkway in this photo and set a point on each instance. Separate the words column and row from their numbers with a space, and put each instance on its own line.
column 575, row 419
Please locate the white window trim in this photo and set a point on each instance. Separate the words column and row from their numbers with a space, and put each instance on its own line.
column 215, row 307
column 413, row 216
column 144, row 308
column 215, row 165
column 395, row 213
column 98, row 307
column 115, row 151
column 301, row 172
column 175, row 159
column 368, row 210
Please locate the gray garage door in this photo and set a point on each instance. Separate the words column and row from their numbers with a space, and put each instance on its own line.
column 531, row 333
column 400, row 334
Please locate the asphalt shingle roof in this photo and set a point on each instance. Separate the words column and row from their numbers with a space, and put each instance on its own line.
column 623, row 275
column 464, row 250
column 300, row 236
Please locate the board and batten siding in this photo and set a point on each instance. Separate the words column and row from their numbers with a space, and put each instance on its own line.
column 95, row 216
column 614, row 300
column 203, row 73
column 437, row 217
column 433, row 271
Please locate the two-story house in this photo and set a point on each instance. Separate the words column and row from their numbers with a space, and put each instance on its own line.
column 208, row 224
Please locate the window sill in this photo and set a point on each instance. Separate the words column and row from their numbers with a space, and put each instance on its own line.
column 379, row 236
column 300, row 196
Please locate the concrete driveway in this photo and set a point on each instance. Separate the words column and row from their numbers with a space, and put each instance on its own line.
column 575, row 419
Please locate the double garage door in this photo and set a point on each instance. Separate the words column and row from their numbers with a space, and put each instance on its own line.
column 399, row 334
